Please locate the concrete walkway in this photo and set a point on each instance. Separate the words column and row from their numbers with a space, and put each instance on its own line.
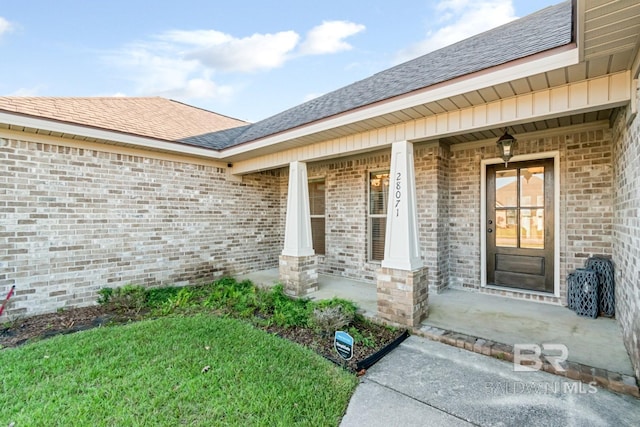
column 593, row 342
column 425, row 383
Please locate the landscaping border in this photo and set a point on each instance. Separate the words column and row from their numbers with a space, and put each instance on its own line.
column 375, row 357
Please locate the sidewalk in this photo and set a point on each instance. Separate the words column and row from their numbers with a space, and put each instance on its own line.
column 425, row 383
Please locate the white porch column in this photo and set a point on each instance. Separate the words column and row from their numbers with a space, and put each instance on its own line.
column 297, row 233
column 298, row 270
column 401, row 247
column 402, row 278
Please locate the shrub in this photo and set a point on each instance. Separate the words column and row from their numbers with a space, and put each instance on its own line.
column 327, row 320
column 348, row 307
column 360, row 338
column 156, row 297
column 236, row 299
column 182, row 299
column 230, row 295
column 104, row 295
column 125, row 298
column 288, row 311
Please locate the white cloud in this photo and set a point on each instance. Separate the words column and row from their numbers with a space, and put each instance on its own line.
column 201, row 38
column 310, row 96
column 5, row 26
column 329, row 37
column 460, row 19
column 158, row 69
column 187, row 65
column 27, row 91
column 254, row 53
column 200, row 88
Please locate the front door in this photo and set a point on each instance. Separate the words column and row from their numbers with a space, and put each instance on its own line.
column 520, row 231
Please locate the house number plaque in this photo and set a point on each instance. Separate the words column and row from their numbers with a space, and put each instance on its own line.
column 398, row 193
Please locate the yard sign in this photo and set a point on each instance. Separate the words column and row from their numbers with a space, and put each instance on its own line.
column 343, row 343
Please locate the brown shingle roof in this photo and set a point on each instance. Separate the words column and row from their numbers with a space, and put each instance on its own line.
column 153, row 117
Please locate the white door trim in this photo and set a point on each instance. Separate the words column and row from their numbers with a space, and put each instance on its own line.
column 555, row 155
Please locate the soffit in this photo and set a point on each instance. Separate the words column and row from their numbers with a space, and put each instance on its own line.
column 535, row 126
column 508, row 90
column 610, row 29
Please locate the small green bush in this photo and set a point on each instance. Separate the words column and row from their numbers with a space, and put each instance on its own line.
column 104, row 295
column 156, row 297
column 229, row 295
column 289, row 312
column 125, row 298
column 327, row 320
column 360, row 338
column 348, row 307
column 184, row 298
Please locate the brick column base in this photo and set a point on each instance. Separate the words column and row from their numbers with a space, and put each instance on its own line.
column 299, row 275
column 403, row 296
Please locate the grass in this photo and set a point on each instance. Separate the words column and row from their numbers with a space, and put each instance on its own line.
column 152, row 373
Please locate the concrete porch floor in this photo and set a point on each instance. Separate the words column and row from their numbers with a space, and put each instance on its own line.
column 593, row 342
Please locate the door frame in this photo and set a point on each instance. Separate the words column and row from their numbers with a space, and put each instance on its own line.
column 555, row 155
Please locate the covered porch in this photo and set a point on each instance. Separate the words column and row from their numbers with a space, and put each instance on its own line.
column 595, row 343
column 411, row 196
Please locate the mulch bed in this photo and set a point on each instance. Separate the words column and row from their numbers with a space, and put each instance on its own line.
column 73, row 320
column 324, row 345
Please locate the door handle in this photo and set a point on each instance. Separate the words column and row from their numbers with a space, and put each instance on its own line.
column 489, row 230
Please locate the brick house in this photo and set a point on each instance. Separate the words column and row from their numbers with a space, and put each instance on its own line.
column 396, row 179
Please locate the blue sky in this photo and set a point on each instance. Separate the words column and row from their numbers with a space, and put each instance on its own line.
column 247, row 60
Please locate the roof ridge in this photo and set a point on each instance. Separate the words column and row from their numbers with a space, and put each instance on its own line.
column 205, row 110
column 84, row 97
column 155, row 117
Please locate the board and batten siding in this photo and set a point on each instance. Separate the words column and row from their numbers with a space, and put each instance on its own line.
column 572, row 98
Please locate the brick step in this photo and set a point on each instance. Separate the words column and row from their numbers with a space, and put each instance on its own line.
column 614, row 381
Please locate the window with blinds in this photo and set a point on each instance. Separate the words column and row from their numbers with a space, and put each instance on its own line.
column 316, row 208
column 378, row 199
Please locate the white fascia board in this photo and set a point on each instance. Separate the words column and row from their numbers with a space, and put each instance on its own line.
column 502, row 74
column 579, row 19
column 105, row 135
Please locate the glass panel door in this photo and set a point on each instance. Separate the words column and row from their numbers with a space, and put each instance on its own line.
column 520, row 231
column 519, row 208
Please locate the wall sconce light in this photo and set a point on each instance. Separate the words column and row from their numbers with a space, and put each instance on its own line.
column 506, row 144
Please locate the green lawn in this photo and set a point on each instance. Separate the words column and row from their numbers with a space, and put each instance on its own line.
column 150, row 373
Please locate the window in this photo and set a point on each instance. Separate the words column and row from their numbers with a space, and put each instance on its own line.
column 378, row 199
column 316, row 208
column 520, row 208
